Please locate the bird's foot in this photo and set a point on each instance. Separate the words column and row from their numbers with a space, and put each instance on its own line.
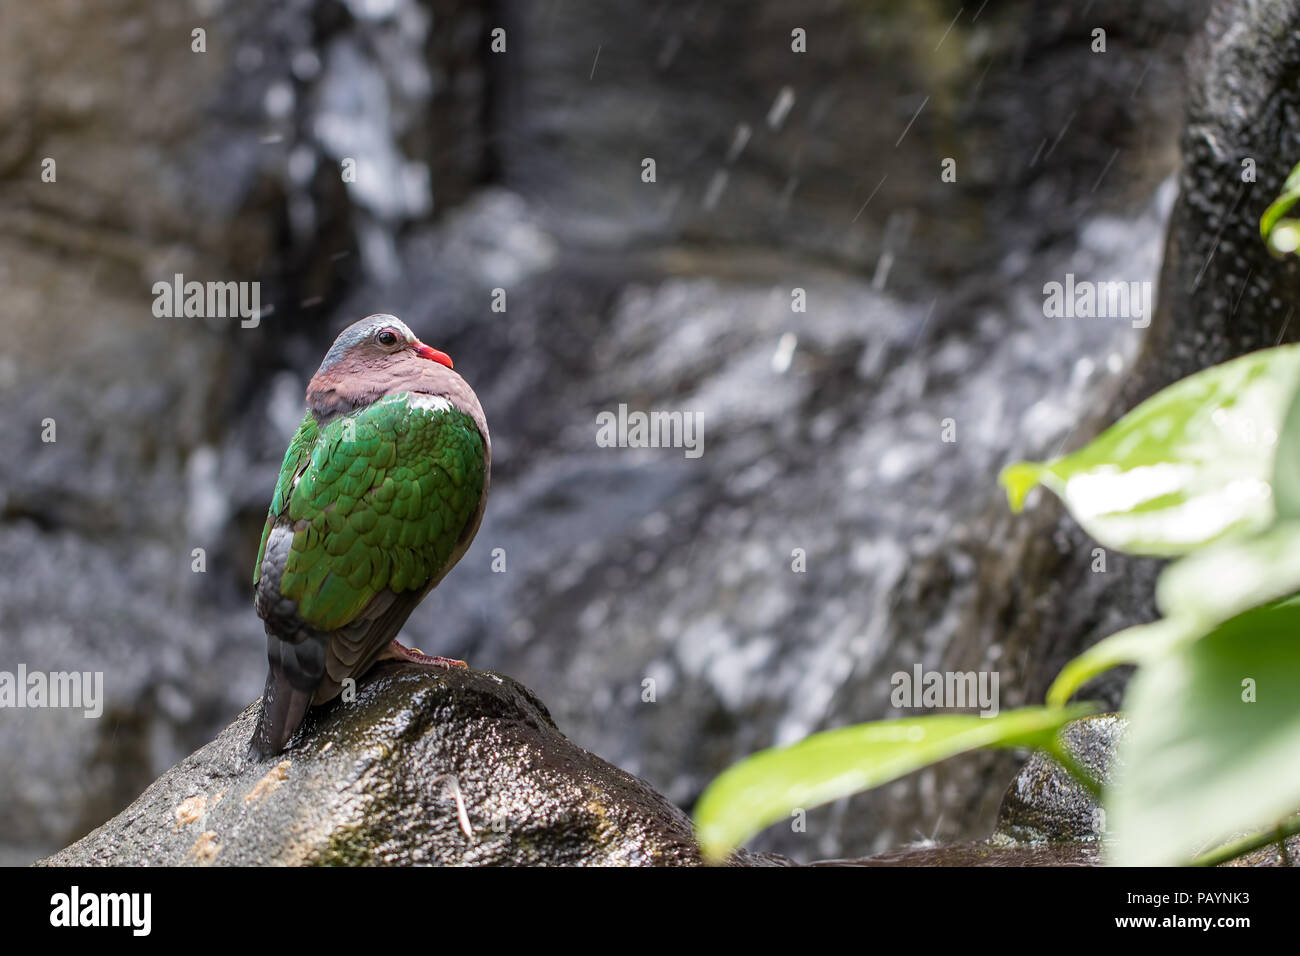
column 397, row 652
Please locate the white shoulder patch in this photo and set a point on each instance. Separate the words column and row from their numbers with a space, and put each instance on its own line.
column 429, row 403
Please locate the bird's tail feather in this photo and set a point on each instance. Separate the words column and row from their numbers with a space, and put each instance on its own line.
column 291, row 682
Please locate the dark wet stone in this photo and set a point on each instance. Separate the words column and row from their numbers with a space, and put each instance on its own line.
column 1046, row 813
column 1046, row 805
column 1221, row 292
column 373, row 782
column 1219, row 295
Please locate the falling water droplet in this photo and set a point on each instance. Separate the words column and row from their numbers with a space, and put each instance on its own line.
column 784, row 353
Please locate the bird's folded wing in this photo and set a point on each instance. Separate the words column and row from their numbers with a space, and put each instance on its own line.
column 376, row 517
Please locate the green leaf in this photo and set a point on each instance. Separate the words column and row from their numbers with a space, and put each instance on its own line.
column 1019, row 479
column 1133, row 645
column 1219, row 583
column 1285, row 237
column 1189, row 466
column 1269, row 222
column 766, row 787
column 1286, row 463
column 1196, row 594
column 1198, row 763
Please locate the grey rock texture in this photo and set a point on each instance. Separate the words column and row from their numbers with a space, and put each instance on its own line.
column 1282, row 853
column 456, row 767
column 1047, row 814
column 423, row 767
column 1045, row 804
column 1222, row 294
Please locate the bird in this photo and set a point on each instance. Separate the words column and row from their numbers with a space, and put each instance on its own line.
column 381, row 492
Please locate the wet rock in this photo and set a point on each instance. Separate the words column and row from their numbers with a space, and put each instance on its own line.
column 111, row 412
column 1046, row 805
column 834, row 154
column 1221, row 292
column 1047, row 818
column 424, row 767
column 1219, row 295
column 467, row 768
column 1046, row 812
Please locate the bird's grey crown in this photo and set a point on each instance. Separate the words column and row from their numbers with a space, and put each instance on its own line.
column 358, row 332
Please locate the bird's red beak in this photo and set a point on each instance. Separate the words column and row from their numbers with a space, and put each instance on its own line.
column 432, row 354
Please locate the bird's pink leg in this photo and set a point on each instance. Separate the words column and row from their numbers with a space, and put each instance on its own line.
column 396, row 652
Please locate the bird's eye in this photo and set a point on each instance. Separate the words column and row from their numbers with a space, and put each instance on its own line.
column 387, row 338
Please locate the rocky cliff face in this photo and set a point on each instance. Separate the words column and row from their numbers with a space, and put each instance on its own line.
column 776, row 171
column 1220, row 295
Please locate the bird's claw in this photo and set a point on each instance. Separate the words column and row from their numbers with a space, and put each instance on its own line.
column 417, row 656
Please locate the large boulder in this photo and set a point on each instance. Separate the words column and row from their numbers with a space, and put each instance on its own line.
column 423, row 767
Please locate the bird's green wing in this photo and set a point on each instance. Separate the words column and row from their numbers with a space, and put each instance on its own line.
column 296, row 458
column 383, row 503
